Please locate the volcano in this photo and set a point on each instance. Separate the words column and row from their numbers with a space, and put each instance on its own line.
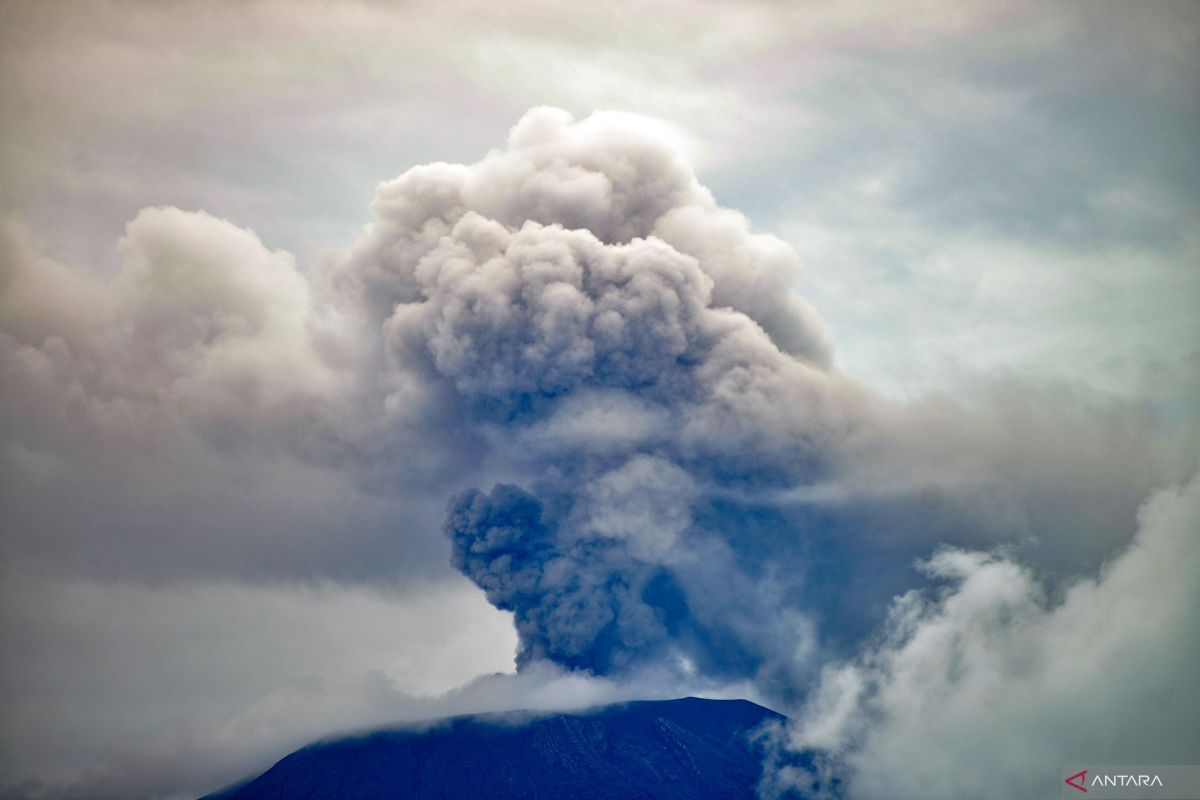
column 687, row 748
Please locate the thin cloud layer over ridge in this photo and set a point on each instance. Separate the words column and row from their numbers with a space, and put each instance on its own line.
column 670, row 472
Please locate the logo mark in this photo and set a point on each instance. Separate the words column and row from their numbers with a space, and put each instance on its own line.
column 1080, row 776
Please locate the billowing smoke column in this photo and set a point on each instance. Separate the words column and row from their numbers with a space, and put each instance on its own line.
column 681, row 477
column 634, row 353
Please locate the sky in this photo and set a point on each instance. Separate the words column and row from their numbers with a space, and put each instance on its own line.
column 364, row 362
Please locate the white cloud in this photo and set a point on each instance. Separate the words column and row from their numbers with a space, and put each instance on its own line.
column 990, row 688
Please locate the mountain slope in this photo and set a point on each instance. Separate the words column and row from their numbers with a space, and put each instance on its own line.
column 688, row 748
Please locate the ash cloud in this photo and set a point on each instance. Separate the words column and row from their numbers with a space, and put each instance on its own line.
column 669, row 471
column 539, row 324
column 575, row 316
column 608, row 175
column 667, row 416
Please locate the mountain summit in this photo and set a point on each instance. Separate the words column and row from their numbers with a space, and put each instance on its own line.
column 688, row 748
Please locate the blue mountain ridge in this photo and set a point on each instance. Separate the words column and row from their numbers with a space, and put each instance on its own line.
column 687, row 748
